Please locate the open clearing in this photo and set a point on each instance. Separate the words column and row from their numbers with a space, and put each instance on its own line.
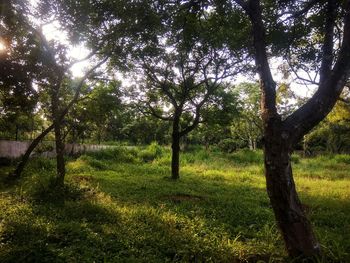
column 120, row 206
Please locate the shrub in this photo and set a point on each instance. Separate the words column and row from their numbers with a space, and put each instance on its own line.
column 229, row 145
column 44, row 147
column 119, row 154
column 150, row 153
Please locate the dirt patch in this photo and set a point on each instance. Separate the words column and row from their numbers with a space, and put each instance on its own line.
column 178, row 198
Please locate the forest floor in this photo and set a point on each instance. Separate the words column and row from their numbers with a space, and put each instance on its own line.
column 120, row 206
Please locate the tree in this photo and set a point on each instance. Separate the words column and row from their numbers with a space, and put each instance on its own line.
column 101, row 106
column 318, row 34
column 180, row 49
column 19, row 67
column 248, row 125
column 218, row 115
column 181, row 98
column 53, row 77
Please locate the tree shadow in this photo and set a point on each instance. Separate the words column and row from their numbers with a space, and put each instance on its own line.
column 148, row 219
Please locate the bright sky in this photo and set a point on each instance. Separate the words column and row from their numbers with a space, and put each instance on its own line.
column 75, row 52
column 52, row 32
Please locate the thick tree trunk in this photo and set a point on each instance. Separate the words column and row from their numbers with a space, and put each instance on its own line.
column 280, row 137
column 296, row 229
column 20, row 166
column 175, row 146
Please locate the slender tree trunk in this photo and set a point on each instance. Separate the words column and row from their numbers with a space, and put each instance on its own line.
column 57, row 120
column 73, row 142
column 251, row 146
column 16, row 133
column 175, row 146
column 19, row 169
column 296, row 229
column 61, row 170
column 99, row 136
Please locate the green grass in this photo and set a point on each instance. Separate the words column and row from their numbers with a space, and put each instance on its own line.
column 120, row 206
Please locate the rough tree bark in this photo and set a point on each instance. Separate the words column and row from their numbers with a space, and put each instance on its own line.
column 295, row 227
column 281, row 136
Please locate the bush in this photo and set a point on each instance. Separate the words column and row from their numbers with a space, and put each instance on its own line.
column 96, row 164
column 151, row 152
column 229, row 145
column 44, row 147
column 118, row 154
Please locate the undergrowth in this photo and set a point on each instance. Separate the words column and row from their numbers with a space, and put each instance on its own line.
column 119, row 206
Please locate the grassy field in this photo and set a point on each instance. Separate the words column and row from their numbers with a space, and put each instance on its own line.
column 120, row 206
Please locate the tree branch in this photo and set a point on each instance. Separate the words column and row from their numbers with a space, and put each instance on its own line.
column 328, row 44
column 268, row 85
column 321, row 103
column 154, row 113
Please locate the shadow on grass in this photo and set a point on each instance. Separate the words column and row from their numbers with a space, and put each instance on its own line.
column 132, row 216
column 239, row 209
column 100, row 228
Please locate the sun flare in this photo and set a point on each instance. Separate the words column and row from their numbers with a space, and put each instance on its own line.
column 2, row 46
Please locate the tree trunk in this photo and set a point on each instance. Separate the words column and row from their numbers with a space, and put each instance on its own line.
column 73, row 142
column 175, row 146
column 99, row 136
column 32, row 130
column 57, row 120
column 20, row 166
column 291, row 218
column 61, row 170
column 16, row 133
